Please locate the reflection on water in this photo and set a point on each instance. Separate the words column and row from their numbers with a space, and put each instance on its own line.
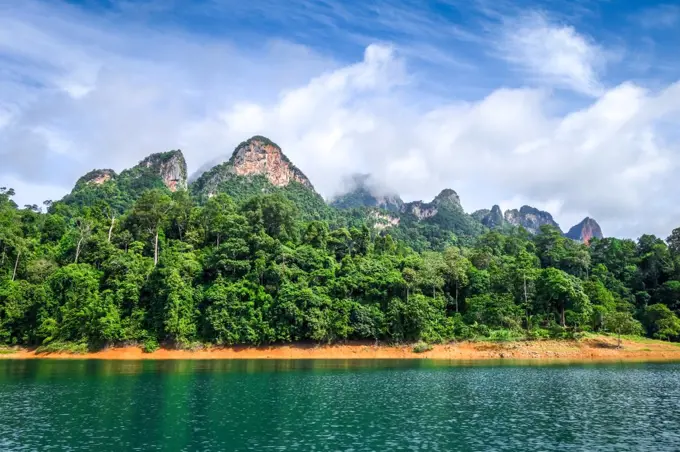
column 337, row 405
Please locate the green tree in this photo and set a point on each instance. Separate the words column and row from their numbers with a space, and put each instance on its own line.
column 622, row 323
column 150, row 213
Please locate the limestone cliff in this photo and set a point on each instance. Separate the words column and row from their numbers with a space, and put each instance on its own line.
column 447, row 199
column 97, row 177
column 167, row 169
column 170, row 167
column 492, row 219
column 420, row 209
column 447, row 196
column 530, row 218
column 585, row 231
column 257, row 156
column 382, row 220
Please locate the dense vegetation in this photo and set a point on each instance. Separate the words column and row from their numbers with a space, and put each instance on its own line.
column 160, row 267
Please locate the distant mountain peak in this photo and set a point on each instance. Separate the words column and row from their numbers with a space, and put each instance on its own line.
column 261, row 156
column 530, row 218
column 585, row 231
column 447, row 195
column 170, row 166
column 256, row 166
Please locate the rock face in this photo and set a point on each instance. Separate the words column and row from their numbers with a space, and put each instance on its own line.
column 170, row 166
column 585, row 230
column 256, row 157
column 259, row 155
column 383, row 220
column 492, row 219
column 364, row 192
column 530, row 218
column 447, row 198
column 420, row 209
column 97, row 177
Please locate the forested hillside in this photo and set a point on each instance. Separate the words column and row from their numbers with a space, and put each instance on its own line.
column 139, row 257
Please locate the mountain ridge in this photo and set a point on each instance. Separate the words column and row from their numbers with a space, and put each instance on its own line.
column 259, row 166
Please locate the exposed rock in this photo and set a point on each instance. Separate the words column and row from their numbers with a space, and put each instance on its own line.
column 585, row 231
column 383, row 220
column 97, row 177
column 447, row 199
column 363, row 192
column 170, row 166
column 480, row 214
column 447, row 196
column 530, row 218
column 492, row 219
column 419, row 209
column 257, row 156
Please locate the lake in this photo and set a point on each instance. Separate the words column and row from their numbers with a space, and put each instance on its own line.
column 336, row 405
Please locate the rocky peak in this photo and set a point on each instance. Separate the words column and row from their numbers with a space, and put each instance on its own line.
column 447, row 196
column 97, row 177
column 260, row 156
column 170, row 166
column 492, row 219
column 530, row 218
column 585, row 231
column 420, row 210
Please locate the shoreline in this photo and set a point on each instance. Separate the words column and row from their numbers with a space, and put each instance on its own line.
column 599, row 348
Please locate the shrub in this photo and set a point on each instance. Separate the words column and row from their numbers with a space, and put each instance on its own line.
column 422, row 347
column 538, row 333
column 503, row 335
column 150, row 345
column 77, row 348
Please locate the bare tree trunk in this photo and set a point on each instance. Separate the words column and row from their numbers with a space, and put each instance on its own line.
column 218, row 240
column 456, row 297
column 3, row 256
column 564, row 323
column 16, row 265
column 526, row 300
column 155, row 249
column 78, row 249
column 113, row 220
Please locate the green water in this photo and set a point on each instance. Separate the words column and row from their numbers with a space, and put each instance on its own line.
column 336, row 405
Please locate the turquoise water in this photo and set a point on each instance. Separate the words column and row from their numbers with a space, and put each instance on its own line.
column 336, row 405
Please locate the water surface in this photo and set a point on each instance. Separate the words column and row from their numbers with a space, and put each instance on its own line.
column 336, row 405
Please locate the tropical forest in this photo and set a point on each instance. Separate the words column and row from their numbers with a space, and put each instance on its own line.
column 249, row 253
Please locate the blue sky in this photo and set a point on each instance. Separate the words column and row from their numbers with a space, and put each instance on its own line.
column 570, row 106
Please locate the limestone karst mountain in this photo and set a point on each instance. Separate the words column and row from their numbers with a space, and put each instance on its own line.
column 585, row 231
column 259, row 166
column 160, row 170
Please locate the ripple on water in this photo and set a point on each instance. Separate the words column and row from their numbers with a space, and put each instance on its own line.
column 319, row 405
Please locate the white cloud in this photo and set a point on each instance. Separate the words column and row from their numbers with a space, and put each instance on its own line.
column 553, row 53
column 135, row 91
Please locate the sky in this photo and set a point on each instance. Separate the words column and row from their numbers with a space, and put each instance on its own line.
column 568, row 106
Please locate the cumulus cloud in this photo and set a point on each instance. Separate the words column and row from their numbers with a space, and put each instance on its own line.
column 553, row 53
column 119, row 98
